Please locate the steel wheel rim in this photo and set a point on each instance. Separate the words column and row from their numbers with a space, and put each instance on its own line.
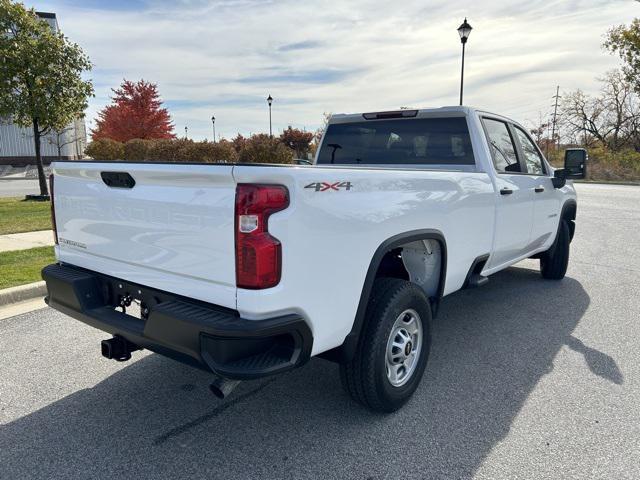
column 403, row 347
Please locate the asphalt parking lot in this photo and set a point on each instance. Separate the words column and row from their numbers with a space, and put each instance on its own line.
column 527, row 379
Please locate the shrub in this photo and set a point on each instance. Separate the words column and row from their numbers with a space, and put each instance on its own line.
column 209, row 152
column 181, row 150
column 261, row 148
column 604, row 164
column 256, row 149
column 105, row 149
column 223, row 150
column 136, row 149
column 239, row 142
column 160, row 151
column 555, row 157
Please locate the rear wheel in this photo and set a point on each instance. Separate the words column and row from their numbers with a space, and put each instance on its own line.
column 554, row 262
column 393, row 349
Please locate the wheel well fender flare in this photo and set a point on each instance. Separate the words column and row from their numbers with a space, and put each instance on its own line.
column 348, row 347
column 568, row 212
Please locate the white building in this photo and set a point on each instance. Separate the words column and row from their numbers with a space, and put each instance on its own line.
column 16, row 143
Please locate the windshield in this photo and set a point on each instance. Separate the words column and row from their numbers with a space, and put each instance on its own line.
column 419, row 141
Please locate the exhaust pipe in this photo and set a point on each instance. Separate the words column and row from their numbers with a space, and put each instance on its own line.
column 118, row 348
column 222, row 387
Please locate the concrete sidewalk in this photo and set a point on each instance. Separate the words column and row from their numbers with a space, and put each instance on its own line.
column 24, row 241
column 18, row 187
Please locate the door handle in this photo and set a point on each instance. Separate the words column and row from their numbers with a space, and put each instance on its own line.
column 505, row 191
column 118, row 179
column 538, row 189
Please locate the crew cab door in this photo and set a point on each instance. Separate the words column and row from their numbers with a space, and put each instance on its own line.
column 515, row 195
column 547, row 203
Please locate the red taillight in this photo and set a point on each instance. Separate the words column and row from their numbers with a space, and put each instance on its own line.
column 53, row 210
column 258, row 254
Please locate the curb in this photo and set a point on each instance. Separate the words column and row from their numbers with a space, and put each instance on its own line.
column 18, row 178
column 22, row 293
column 612, row 182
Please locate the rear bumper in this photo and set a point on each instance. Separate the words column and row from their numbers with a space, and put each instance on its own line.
column 193, row 332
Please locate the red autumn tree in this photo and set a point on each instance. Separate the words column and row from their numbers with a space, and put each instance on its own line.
column 297, row 140
column 136, row 112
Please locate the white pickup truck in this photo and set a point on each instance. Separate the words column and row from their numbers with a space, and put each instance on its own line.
column 250, row 270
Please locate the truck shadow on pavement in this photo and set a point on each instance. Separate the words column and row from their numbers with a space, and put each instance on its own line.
column 155, row 418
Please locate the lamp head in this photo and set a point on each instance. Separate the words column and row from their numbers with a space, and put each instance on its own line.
column 464, row 31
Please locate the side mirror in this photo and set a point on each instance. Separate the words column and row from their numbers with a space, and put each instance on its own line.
column 575, row 163
column 559, row 180
column 575, row 167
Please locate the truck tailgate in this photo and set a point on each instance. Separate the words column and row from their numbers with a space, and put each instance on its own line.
column 173, row 230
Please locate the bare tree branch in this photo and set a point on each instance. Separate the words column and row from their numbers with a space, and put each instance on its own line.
column 611, row 118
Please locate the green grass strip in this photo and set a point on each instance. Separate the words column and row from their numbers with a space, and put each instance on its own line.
column 19, row 215
column 23, row 266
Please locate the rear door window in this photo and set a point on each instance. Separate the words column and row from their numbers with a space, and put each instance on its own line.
column 418, row 141
column 503, row 150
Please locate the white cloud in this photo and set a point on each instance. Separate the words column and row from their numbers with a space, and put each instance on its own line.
column 225, row 57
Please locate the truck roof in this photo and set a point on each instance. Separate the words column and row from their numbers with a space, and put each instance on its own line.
column 452, row 110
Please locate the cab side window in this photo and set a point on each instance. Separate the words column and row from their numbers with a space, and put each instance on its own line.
column 503, row 150
column 532, row 157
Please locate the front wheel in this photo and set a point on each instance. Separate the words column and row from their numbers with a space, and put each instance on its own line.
column 554, row 262
column 393, row 348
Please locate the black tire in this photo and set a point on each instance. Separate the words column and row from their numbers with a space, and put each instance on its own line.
column 554, row 262
column 365, row 376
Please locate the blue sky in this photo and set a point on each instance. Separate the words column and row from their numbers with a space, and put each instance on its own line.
column 224, row 57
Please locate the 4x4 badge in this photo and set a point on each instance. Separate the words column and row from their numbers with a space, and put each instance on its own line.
column 326, row 186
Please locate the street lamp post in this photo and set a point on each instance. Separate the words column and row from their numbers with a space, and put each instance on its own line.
column 269, row 101
column 464, row 31
column 186, row 131
column 213, row 124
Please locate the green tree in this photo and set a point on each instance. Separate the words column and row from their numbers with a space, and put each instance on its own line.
column 624, row 40
column 41, row 83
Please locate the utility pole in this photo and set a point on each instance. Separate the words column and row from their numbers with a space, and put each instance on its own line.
column 555, row 113
column 546, row 147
